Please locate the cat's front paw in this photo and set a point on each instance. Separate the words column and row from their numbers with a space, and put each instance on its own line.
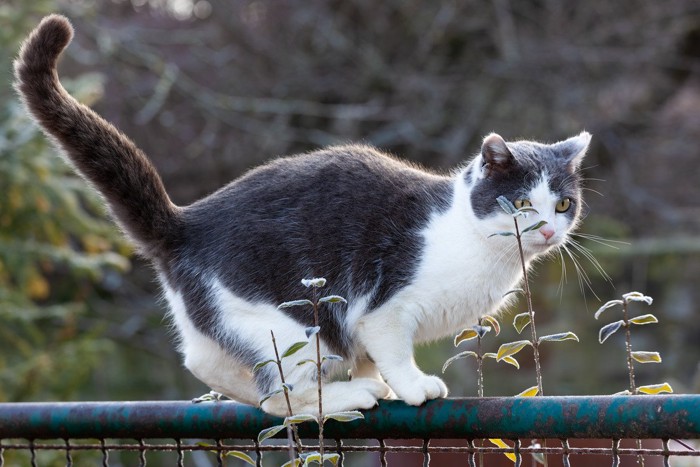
column 420, row 389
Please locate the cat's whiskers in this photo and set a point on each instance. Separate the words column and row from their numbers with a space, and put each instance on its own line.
column 583, row 279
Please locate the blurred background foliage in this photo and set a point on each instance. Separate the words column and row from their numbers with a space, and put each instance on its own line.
column 211, row 88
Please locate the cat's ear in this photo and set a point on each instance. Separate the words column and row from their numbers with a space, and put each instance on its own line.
column 574, row 149
column 495, row 155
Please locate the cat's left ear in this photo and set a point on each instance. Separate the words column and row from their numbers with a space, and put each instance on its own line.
column 574, row 149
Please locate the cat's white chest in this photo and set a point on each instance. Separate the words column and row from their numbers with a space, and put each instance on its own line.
column 463, row 274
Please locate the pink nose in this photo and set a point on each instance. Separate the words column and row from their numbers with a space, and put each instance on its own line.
column 547, row 232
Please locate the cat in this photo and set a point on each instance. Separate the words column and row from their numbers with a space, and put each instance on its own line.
column 410, row 250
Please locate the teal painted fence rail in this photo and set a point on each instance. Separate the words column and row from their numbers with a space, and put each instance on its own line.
column 611, row 417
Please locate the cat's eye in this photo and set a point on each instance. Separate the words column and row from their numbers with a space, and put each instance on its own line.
column 521, row 203
column 563, row 205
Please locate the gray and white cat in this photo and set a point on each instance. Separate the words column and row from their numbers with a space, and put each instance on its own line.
column 408, row 249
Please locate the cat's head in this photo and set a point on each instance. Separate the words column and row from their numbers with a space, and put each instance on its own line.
column 544, row 176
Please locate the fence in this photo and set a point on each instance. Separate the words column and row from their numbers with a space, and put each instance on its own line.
column 176, row 433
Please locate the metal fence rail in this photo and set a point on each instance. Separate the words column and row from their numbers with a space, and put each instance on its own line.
column 212, row 430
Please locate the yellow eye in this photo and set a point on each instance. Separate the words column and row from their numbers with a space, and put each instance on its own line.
column 519, row 203
column 563, row 205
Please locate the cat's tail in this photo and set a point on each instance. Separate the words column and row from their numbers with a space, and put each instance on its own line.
column 102, row 154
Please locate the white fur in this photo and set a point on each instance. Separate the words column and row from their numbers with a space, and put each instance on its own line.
column 462, row 275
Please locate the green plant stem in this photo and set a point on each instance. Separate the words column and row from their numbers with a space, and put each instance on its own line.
column 318, row 377
column 528, row 296
column 292, row 427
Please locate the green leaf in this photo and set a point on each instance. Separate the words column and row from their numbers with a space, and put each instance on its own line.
column 333, row 458
column 259, row 365
column 304, row 362
column 512, row 291
column 655, row 388
column 506, row 205
column 493, row 322
column 529, row 392
column 295, row 303
column 270, row 394
column 296, row 462
column 510, row 349
column 332, row 299
column 521, row 321
column 269, row 432
column 637, row 297
column 294, row 348
column 608, row 330
column 481, row 330
column 240, row 455
column 502, row 234
column 609, row 304
column 524, row 211
column 466, row 353
column 346, row 416
column 311, row 457
column 312, row 331
column 315, row 282
column 502, row 444
column 626, row 392
column 646, row 357
column 511, row 361
column 288, row 386
column 644, row 319
column 336, row 358
column 490, row 355
column 465, row 335
column 562, row 336
column 300, row 418
column 534, row 226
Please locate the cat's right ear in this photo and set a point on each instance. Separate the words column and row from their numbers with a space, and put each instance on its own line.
column 495, row 155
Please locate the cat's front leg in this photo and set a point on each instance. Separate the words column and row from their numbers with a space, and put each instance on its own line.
column 387, row 336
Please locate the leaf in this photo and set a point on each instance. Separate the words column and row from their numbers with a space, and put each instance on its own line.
column 296, row 462
column 646, row 357
column 294, row 303
column 562, row 336
column 525, row 210
column 336, row 358
column 609, row 304
column 270, row 394
column 493, row 322
column 332, row 299
column 269, row 432
column 533, row 227
column 333, row 458
column 538, row 457
column 506, row 205
column 637, row 297
column 465, row 335
column 655, row 388
column 521, row 321
column 312, row 457
column 502, row 234
column 466, row 353
column 626, row 392
column 529, row 392
column 510, row 349
column 259, row 365
column 288, row 386
column 502, row 444
column 481, row 330
column 312, row 331
column 608, row 330
column 644, row 319
column 304, row 362
column 511, row 361
column 294, row 348
column 345, row 416
column 299, row 418
column 315, row 282
column 511, row 291
column 240, row 455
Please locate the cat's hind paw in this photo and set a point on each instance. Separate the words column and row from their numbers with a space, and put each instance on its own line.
column 423, row 388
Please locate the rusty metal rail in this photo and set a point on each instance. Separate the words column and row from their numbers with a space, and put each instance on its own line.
column 72, row 429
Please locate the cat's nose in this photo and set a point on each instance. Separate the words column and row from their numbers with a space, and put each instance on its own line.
column 547, row 232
